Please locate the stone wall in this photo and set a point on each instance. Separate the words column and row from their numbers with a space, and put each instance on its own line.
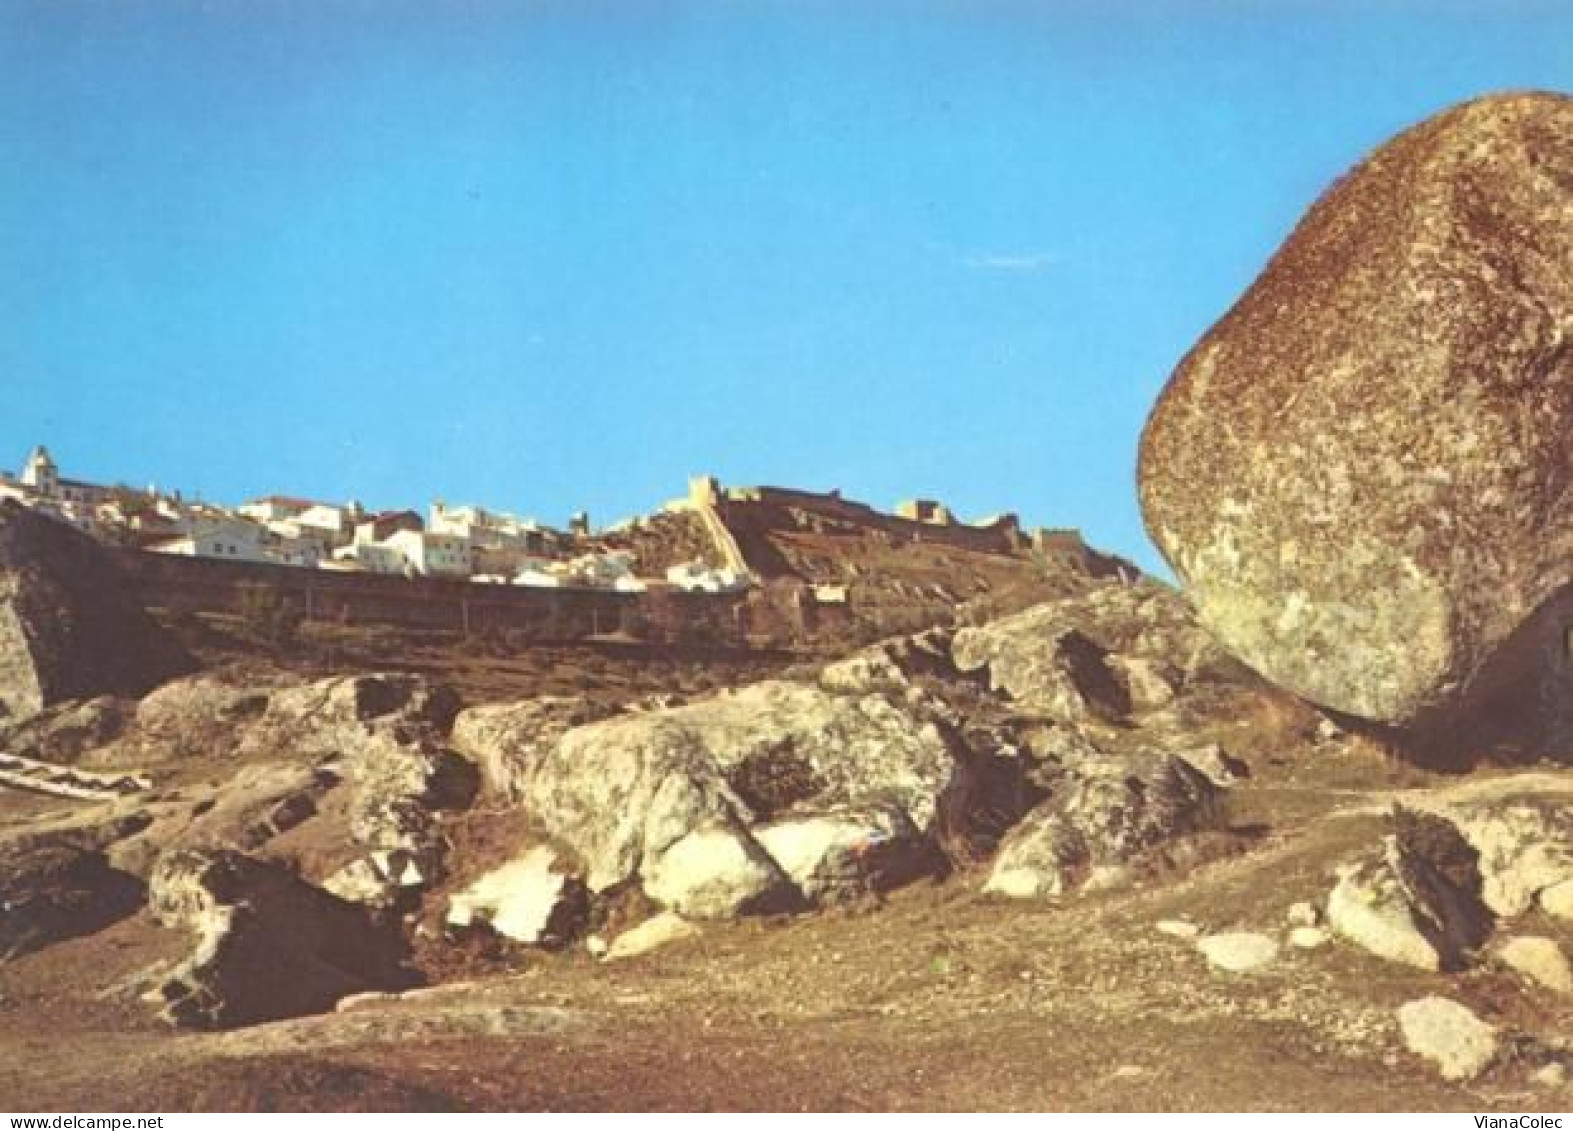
column 178, row 584
column 745, row 506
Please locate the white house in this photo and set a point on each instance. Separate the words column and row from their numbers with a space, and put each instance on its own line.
column 409, row 552
column 230, row 539
column 433, row 554
column 484, row 529
column 305, row 552
column 278, row 508
column 373, row 557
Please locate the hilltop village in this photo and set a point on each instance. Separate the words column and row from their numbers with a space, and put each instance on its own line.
column 688, row 545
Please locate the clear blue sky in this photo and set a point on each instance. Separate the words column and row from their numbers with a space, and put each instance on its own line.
column 546, row 256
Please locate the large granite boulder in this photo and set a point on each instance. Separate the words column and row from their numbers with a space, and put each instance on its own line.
column 694, row 802
column 1107, row 822
column 1360, row 473
column 68, row 627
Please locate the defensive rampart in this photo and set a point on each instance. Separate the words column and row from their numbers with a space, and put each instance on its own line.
column 178, row 584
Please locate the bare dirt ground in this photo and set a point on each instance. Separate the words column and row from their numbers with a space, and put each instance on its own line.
column 938, row 998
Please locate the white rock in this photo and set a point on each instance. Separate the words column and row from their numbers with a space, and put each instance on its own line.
column 1238, row 951
column 1303, row 914
column 1557, row 900
column 1551, row 1075
column 1540, row 960
column 660, row 931
column 622, row 791
column 1178, row 928
column 1447, row 1033
column 1370, row 908
column 1525, row 847
column 526, row 900
column 1309, row 938
column 840, row 855
column 1212, row 760
column 596, row 946
column 716, row 872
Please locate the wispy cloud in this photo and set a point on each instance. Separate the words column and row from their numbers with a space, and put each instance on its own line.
column 1013, row 261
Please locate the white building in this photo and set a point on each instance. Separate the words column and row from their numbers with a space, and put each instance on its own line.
column 696, row 577
column 432, row 554
column 408, row 552
column 372, row 557
column 484, row 529
column 276, row 508
column 232, row 539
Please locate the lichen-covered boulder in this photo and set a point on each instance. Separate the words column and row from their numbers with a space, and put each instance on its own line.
column 1417, row 902
column 1104, row 824
column 1361, row 472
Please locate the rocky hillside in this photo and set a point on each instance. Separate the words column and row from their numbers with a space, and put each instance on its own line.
column 1066, row 850
column 360, row 889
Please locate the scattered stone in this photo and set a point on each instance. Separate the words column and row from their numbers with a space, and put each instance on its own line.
column 64, row 734
column 1238, row 951
column 1221, row 768
column 1447, row 1033
column 1539, row 959
column 664, row 929
column 1178, row 928
column 268, row 945
column 1303, row 914
column 1552, row 1075
column 1150, row 684
column 1419, row 903
column 891, row 665
column 623, row 793
column 596, row 946
column 1351, row 472
column 1068, row 677
column 508, row 741
column 1309, row 938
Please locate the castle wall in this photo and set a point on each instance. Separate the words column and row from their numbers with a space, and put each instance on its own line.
column 747, row 507
column 203, row 585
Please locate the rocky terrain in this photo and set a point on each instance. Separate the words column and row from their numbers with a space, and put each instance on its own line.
column 1070, row 854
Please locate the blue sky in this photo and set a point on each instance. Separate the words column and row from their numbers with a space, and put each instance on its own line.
column 546, row 256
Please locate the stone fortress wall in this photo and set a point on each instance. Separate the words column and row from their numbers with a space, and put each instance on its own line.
column 1001, row 534
column 176, row 584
